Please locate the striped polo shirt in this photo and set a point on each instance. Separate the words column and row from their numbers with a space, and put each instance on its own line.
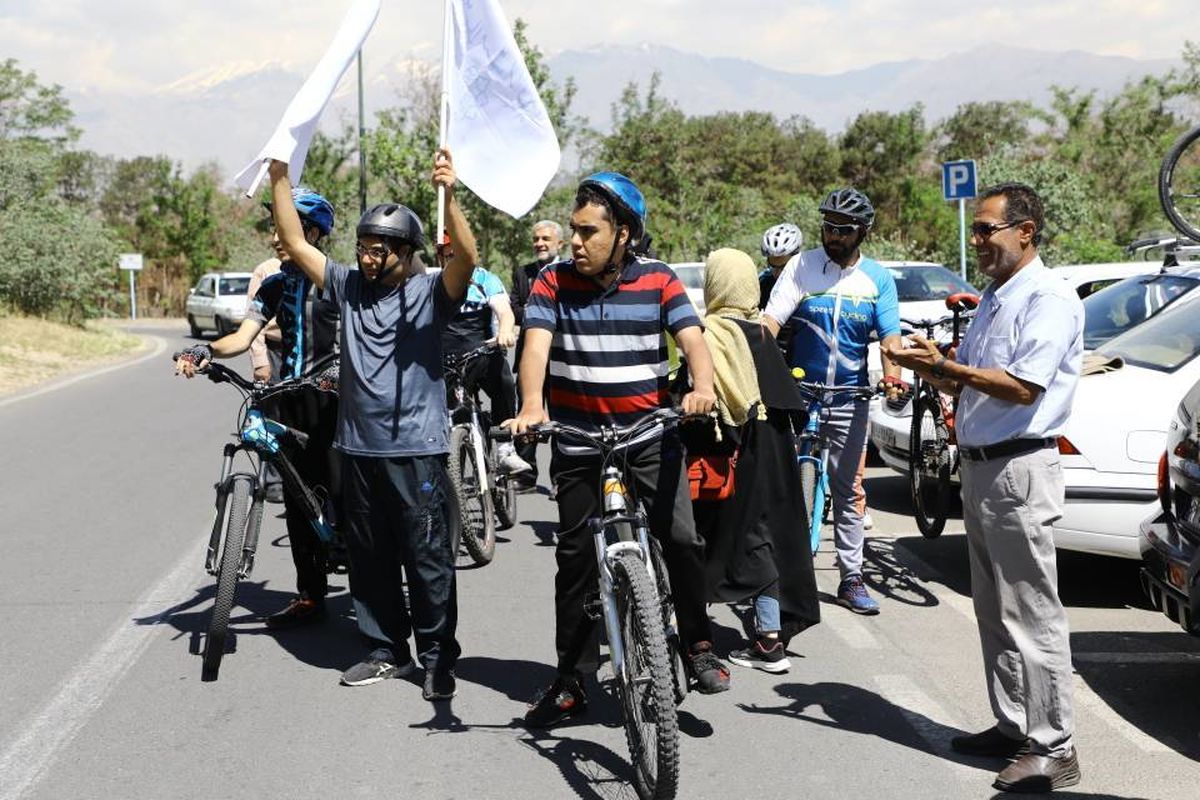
column 608, row 358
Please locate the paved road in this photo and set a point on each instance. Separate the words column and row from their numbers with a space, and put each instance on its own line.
column 105, row 493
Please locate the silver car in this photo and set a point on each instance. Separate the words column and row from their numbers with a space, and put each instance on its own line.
column 217, row 302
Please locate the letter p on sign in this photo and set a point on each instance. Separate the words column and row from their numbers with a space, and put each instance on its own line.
column 958, row 180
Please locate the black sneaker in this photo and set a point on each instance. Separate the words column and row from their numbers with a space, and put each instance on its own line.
column 439, row 685
column 710, row 674
column 300, row 611
column 564, row 698
column 378, row 666
column 764, row 654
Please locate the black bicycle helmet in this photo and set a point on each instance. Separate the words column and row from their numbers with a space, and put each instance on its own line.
column 849, row 202
column 393, row 221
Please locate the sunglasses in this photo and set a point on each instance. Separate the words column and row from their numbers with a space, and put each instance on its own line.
column 848, row 229
column 983, row 230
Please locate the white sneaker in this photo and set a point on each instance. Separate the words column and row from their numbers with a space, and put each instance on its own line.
column 509, row 462
column 868, row 523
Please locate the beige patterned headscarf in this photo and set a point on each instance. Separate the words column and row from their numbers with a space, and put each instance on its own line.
column 731, row 292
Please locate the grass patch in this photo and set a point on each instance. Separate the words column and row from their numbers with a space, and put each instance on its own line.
column 33, row 350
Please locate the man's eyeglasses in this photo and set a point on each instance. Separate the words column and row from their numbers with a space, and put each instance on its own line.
column 375, row 252
column 982, row 230
column 848, row 229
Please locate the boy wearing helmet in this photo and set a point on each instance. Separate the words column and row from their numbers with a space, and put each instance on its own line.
column 308, row 331
column 838, row 298
column 392, row 430
column 599, row 322
column 779, row 243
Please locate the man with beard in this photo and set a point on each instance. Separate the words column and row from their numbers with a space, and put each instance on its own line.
column 547, row 242
column 838, row 298
column 1015, row 373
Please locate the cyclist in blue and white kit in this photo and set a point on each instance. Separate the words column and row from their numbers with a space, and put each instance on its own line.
column 835, row 297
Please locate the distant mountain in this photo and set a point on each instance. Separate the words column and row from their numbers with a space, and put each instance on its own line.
column 224, row 115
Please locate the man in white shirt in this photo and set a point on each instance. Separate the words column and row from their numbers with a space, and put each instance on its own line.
column 1016, row 372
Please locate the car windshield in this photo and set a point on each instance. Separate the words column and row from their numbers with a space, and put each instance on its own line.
column 1117, row 308
column 927, row 283
column 234, row 285
column 692, row 275
column 1164, row 343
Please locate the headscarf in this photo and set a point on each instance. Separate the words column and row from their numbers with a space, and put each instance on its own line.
column 731, row 292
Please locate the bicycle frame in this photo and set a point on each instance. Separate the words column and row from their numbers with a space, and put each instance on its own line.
column 463, row 408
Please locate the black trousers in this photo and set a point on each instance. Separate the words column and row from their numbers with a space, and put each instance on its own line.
column 314, row 413
column 495, row 377
column 656, row 476
column 526, row 449
column 396, row 532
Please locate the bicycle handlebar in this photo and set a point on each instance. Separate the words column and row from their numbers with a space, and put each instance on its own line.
column 608, row 437
column 219, row 373
column 825, row 390
column 455, row 360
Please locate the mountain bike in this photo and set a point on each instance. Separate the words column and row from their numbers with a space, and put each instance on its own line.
column 932, row 448
column 812, row 448
column 233, row 541
column 1179, row 184
column 635, row 604
column 485, row 497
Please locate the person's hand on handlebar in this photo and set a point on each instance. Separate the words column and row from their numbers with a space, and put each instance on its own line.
column 192, row 360
column 894, row 389
column 698, row 402
column 525, row 419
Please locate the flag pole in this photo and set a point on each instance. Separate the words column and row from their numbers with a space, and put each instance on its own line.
column 362, row 132
column 445, row 110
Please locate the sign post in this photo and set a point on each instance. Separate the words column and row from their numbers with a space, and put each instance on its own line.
column 958, row 183
column 131, row 262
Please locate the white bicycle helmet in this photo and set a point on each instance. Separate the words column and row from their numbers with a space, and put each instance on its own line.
column 782, row 240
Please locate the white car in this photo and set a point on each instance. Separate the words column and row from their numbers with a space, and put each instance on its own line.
column 1117, row 433
column 1087, row 279
column 217, row 302
column 691, row 275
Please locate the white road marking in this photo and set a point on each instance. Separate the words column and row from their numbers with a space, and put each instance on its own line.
column 849, row 628
column 929, row 719
column 1085, row 697
column 27, row 755
column 160, row 345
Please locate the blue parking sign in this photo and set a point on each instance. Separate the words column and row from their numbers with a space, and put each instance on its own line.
column 958, row 180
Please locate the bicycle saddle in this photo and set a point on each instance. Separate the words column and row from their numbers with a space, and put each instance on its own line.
column 962, row 301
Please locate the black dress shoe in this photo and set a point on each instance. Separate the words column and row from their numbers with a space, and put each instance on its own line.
column 987, row 743
column 1036, row 773
column 300, row 611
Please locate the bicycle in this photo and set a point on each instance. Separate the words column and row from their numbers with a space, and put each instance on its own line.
column 635, row 604
column 1179, row 180
column 240, row 496
column 812, row 448
column 932, row 448
column 486, row 498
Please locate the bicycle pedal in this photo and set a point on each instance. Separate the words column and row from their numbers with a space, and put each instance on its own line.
column 593, row 607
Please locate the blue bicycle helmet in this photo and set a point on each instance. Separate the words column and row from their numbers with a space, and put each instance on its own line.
column 313, row 208
column 626, row 198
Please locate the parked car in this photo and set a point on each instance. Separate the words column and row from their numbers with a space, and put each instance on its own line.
column 1087, row 279
column 691, row 275
column 1170, row 537
column 217, row 302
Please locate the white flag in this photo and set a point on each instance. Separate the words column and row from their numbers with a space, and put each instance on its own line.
column 504, row 146
column 291, row 139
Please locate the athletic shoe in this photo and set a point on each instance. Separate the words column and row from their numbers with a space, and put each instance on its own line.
column 509, row 462
column 300, row 611
column 524, row 484
column 761, row 656
column 710, row 674
column 564, row 698
column 868, row 523
column 853, row 595
column 379, row 665
column 439, row 685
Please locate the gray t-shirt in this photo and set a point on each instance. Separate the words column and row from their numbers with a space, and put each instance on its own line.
column 392, row 398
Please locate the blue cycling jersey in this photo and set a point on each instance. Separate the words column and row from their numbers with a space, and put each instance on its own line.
column 833, row 311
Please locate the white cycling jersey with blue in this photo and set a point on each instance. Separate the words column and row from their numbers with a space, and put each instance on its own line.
column 833, row 310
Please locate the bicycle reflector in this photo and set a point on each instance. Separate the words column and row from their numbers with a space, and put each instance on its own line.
column 1065, row 448
column 798, row 373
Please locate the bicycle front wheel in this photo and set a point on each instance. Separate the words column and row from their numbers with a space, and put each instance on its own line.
column 237, row 510
column 808, row 493
column 478, row 528
column 1179, row 184
column 645, row 684
column 929, row 466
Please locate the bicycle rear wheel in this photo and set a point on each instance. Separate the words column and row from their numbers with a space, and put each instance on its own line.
column 645, row 684
column 237, row 511
column 504, row 498
column 478, row 527
column 1179, row 184
column 929, row 466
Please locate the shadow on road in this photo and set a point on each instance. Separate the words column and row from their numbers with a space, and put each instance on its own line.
column 1059, row 795
column 1149, row 679
column 883, row 572
column 544, row 531
column 890, row 493
column 591, row 770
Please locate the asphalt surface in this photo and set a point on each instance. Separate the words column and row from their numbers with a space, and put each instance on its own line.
column 106, row 497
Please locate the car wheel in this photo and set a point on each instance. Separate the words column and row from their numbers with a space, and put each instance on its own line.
column 193, row 328
column 222, row 325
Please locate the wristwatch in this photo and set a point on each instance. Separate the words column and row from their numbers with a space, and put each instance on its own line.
column 937, row 370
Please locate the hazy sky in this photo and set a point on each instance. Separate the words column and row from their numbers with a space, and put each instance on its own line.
column 142, row 45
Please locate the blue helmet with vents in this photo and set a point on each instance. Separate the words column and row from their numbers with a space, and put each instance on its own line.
column 626, row 198
column 313, row 208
